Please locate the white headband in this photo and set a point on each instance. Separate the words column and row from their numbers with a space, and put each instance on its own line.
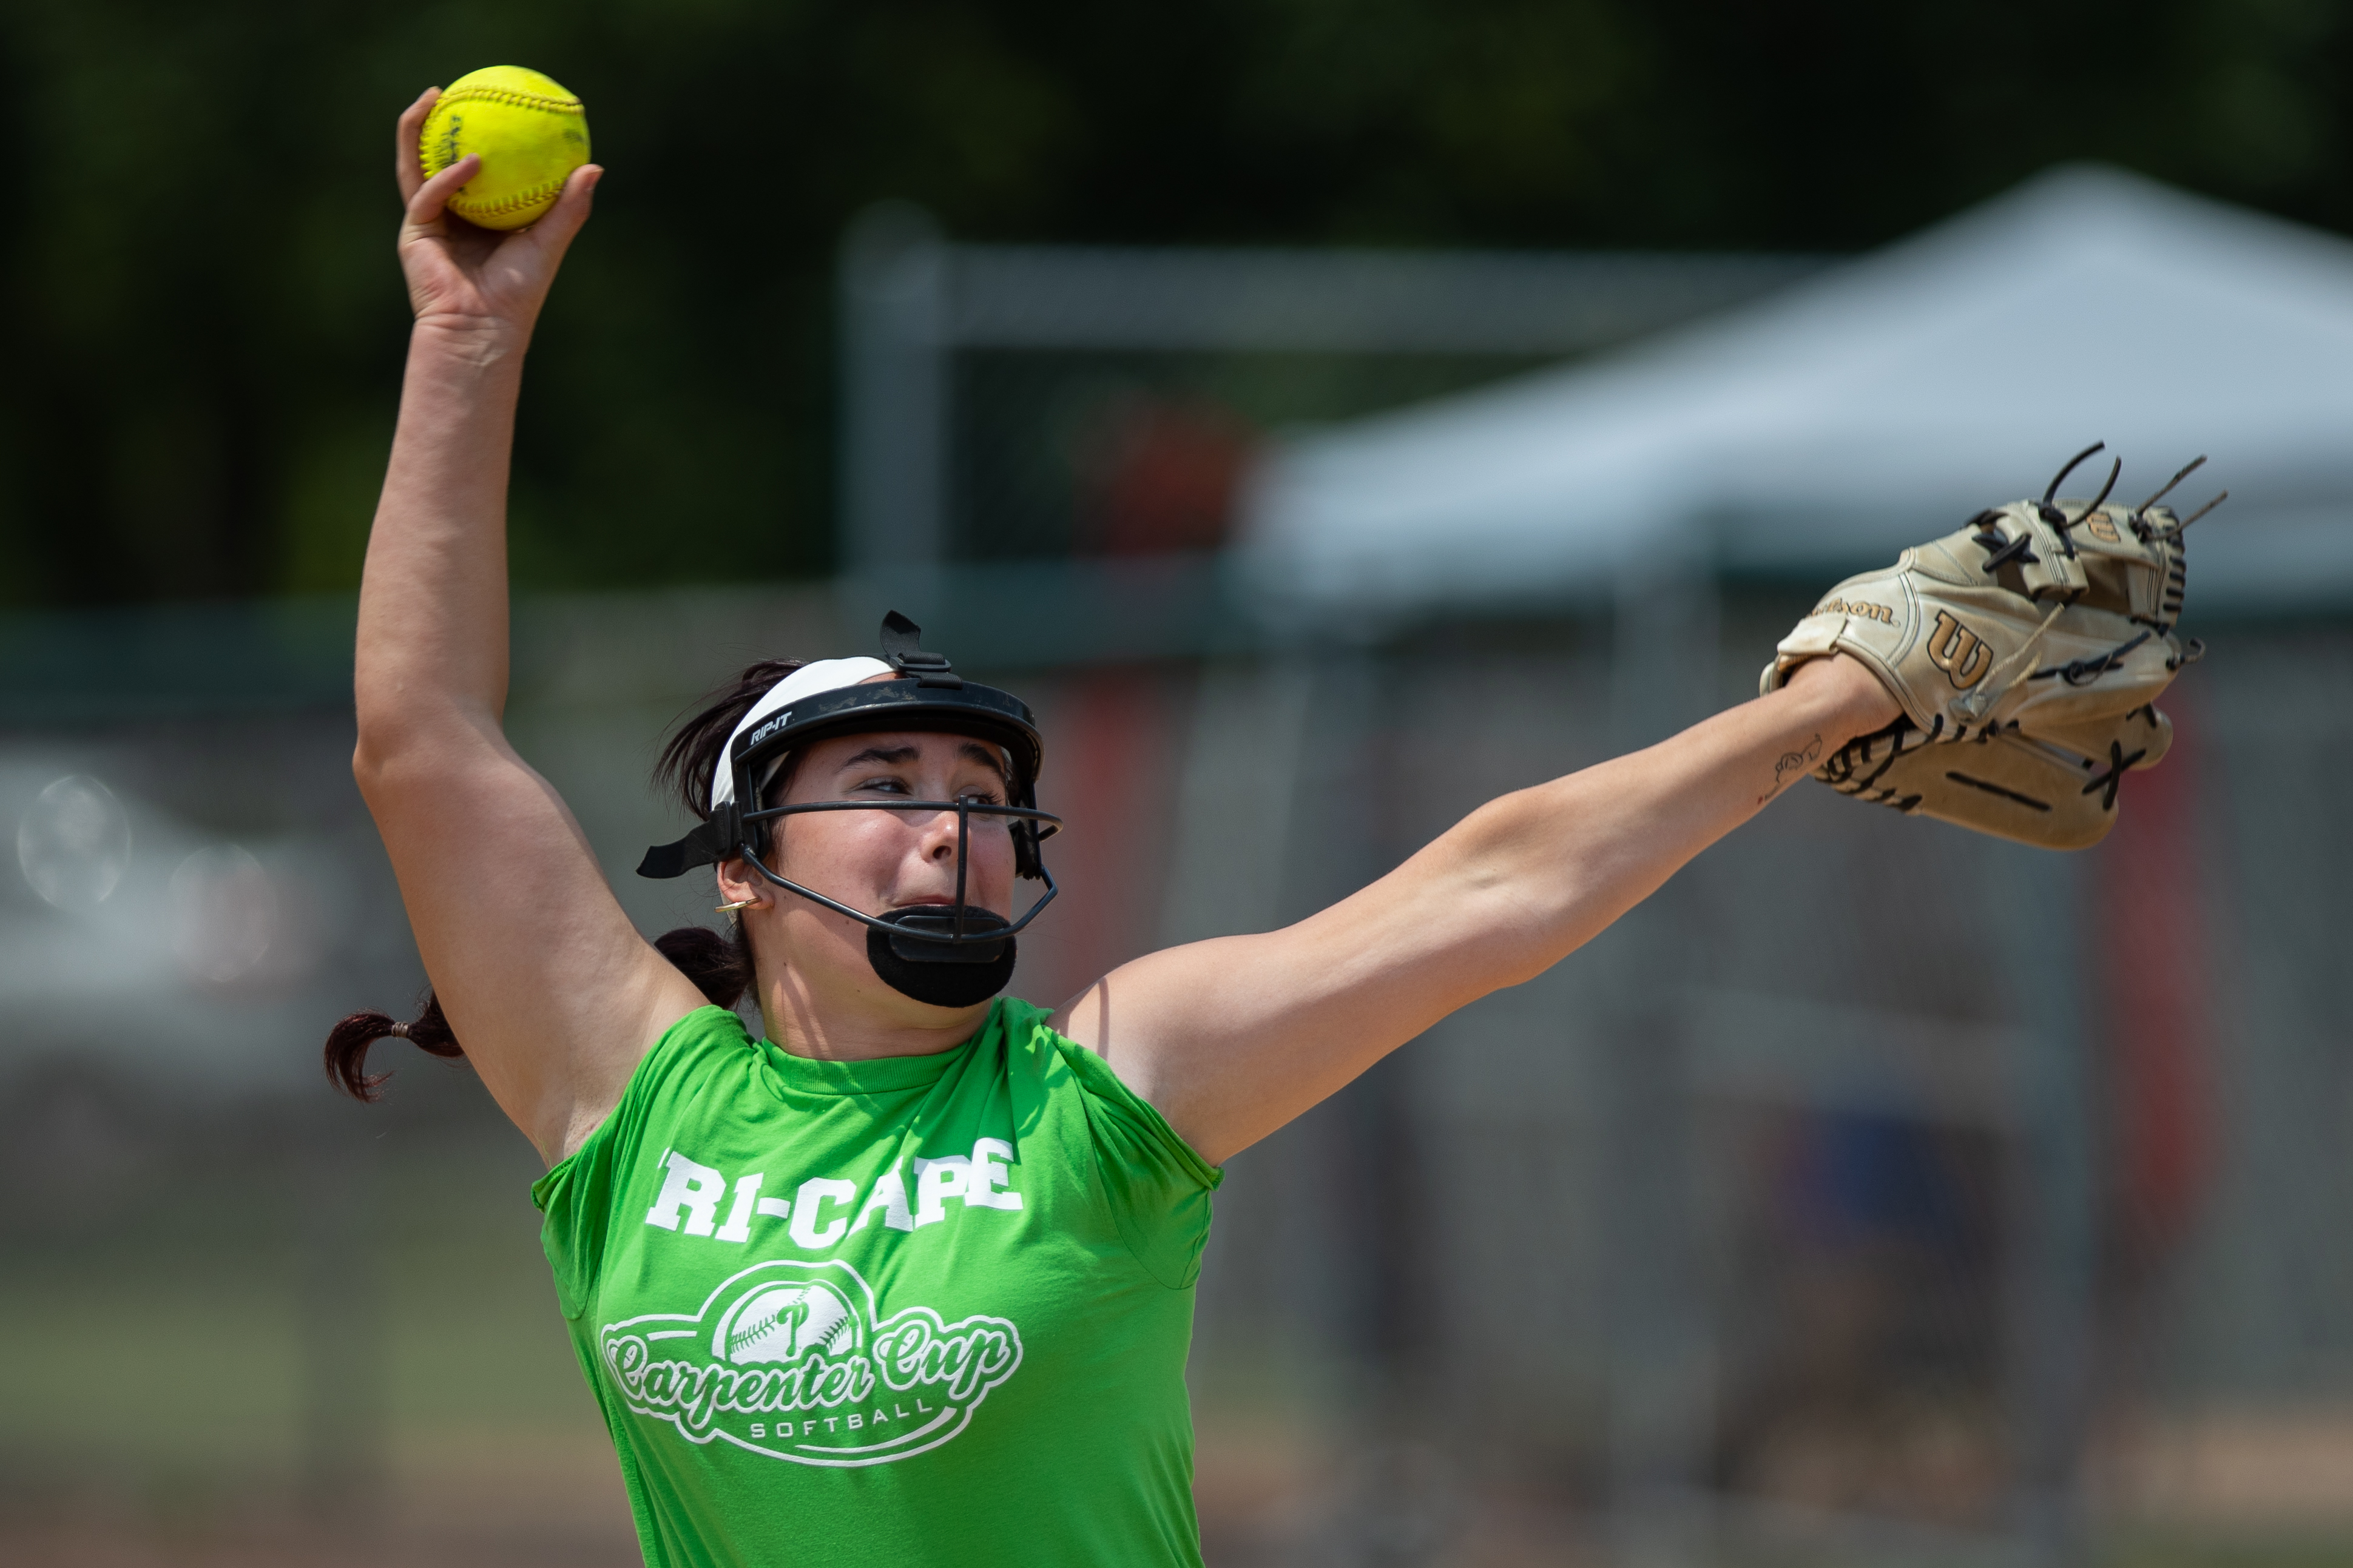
column 808, row 680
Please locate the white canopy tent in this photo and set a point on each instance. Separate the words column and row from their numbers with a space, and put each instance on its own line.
column 1824, row 427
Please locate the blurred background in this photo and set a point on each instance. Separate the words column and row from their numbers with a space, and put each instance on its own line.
column 1329, row 417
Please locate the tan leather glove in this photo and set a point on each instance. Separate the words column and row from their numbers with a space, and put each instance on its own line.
column 2027, row 650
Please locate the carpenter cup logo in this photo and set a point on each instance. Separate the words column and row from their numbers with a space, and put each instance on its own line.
column 794, row 1361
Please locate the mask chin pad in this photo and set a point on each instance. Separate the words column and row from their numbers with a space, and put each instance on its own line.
column 914, row 961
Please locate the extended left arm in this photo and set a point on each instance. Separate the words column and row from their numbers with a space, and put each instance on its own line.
column 1233, row 1037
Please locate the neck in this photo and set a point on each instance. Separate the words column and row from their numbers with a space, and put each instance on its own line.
column 870, row 1023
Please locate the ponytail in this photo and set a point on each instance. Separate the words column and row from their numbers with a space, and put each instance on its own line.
column 719, row 965
column 348, row 1043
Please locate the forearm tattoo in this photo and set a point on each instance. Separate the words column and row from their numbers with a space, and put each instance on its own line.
column 1791, row 765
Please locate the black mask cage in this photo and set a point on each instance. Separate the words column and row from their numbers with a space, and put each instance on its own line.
column 928, row 696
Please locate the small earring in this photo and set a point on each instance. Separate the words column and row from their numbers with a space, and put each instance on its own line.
column 731, row 908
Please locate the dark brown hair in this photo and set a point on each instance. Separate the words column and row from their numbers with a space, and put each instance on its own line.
column 719, row 963
column 690, row 758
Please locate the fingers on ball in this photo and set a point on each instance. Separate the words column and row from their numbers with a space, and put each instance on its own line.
column 432, row 196
column 406, row 166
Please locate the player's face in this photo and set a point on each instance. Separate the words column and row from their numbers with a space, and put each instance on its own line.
column 876, row 859
column 879, row 860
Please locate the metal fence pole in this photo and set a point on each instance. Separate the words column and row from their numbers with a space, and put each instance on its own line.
column 2053, row 1196
column 1661, row 1385
column 894, row 428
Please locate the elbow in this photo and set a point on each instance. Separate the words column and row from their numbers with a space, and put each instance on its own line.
column 398, row 746
column 368, row 761
column 379, row 760
column 385, row 735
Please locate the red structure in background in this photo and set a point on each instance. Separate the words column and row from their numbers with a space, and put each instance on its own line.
column 1161, row 474
column 1156, row 475
column 2155, row 979
column 1111, row 750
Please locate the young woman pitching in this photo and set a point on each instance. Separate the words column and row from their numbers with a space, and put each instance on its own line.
column 910, row 1280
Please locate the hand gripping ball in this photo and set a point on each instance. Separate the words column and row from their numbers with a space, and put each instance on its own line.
column 528, row 131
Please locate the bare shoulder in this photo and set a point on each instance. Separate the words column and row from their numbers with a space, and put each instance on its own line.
column 553, row 994
column 1215, row 1035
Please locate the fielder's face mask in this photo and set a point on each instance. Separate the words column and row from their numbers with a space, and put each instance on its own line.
column 950, row 957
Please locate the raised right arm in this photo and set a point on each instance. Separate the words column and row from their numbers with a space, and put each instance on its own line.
column 552, row 991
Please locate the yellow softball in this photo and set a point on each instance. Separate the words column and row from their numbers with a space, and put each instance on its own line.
column 529, row 132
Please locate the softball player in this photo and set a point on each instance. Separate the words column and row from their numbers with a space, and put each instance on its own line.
column 910, row 1280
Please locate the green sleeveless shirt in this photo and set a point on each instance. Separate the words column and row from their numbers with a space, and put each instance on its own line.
column 924, row 1309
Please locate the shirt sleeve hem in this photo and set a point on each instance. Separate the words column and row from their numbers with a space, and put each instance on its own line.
column 1101, row 1089
column 635, row 1089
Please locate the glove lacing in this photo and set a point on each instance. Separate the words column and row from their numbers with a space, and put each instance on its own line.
column 1976, row 703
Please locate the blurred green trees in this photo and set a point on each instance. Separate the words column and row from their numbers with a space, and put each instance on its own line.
column 203, row 321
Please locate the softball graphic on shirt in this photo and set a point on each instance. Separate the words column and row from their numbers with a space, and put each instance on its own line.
column 784, row 1322
column 794, row 1361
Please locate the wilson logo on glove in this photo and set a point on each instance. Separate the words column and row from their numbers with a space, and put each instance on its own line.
column 2041, row 634
column 1838, row 606
column 1959, row 652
